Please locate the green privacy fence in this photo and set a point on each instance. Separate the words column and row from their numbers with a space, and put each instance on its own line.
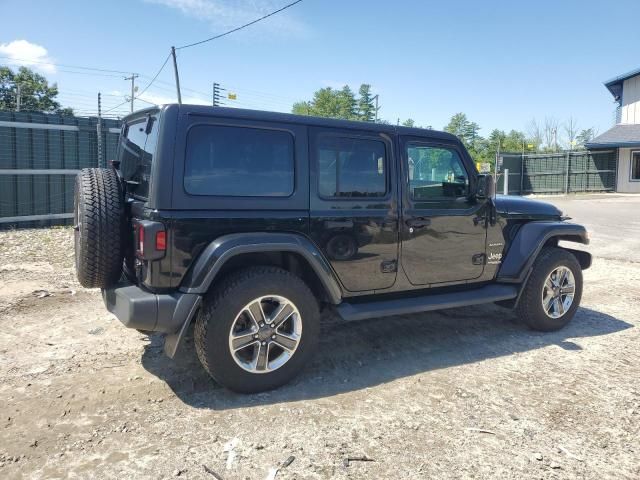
column 39, row 157
column 568, row 172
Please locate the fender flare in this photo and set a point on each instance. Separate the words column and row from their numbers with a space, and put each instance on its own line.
column 528, row 243
column 205, row 269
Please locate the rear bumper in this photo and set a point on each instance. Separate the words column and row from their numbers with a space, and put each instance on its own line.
column 137, row 308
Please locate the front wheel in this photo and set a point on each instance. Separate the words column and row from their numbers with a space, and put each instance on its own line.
column 553, row 292
column 257, row 329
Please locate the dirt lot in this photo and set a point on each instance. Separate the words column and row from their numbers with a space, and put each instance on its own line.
column 465, row 393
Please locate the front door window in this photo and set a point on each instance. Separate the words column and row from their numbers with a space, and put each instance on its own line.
column 436, row 174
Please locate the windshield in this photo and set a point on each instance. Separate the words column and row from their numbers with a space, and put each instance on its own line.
column 137, row 148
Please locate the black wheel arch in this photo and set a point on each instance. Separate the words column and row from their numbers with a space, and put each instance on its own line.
column 293, row 252
column 529, row 241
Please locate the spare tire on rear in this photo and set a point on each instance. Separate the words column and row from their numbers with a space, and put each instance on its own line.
column 98, row 227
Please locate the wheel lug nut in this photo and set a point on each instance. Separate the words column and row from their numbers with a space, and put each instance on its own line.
column 262, row 324
column 264, row 343
column 255, row 336
column 272, row 325
column 273, row 337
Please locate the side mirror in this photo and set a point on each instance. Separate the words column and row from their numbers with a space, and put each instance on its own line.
column 485, row 186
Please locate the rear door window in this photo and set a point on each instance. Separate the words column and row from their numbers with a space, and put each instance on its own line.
column 239, row 162
column 137, row 148
column 351, row 167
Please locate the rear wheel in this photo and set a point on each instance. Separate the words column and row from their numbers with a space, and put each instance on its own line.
column 553, row 292
column 257, row 329
column 98, row 216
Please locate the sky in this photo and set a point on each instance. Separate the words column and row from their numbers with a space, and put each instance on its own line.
column 502, row 63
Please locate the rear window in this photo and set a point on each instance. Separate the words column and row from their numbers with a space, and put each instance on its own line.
column 239, row 162
column 137, row 148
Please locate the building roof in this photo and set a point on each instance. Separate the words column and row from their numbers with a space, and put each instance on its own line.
column 615, row 84
column 622, row 135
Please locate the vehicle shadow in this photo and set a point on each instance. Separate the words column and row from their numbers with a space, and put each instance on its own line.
column 359, row 355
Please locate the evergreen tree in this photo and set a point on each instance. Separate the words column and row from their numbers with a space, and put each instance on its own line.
column 347, row 103
column 366, row 109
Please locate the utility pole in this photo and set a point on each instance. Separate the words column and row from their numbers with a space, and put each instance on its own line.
column 18, row 97
column 99, row 131
column 375, row 97
column 175, row 71
column 133, row 87
column 216, row 94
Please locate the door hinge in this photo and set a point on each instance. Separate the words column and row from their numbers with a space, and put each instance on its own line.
column 478, row 259
column 389, row 266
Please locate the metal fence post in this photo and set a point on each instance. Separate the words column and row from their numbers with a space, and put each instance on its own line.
column 505, row 184
column 522, row 176
column 566, row 180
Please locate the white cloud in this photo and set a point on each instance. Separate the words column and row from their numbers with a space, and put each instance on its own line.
column 226, row 14
column 22, row 52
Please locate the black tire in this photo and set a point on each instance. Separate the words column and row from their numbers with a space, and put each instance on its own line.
column 530, row 308
column 224, row 303
column 99, row 227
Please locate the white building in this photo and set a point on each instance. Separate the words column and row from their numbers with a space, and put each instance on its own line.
column 625, row 135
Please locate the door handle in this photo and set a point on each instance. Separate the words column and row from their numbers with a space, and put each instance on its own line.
column 418, row 222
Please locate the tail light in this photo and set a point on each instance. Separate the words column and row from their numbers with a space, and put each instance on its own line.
column 151, row 240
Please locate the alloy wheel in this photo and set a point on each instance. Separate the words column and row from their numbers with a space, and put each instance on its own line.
column 558, row 292
column 265, row 334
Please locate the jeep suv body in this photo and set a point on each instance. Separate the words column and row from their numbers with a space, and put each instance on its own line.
column 237, row 218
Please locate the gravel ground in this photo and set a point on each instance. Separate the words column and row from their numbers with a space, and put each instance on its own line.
column 463, row 393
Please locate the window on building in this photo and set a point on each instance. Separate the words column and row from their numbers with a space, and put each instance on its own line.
column 635, row 165
column 239, row 162
column 436, row 173
column 351, row 167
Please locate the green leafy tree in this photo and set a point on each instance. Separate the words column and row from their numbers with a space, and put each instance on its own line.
column 409, row 122
column 301, row 108
column 514, row 141
column 343, row 103
column 36, row 95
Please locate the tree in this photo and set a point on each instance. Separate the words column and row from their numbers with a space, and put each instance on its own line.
column 535, row 133
column 514, row 141
column 301, row 108
column 571, row 129
column 328, row 102
column 36, row 95
column 347, row 104
column 366, row 109
column 462, row 128
column 585, row 136
column 409, row 122
column 550, row 134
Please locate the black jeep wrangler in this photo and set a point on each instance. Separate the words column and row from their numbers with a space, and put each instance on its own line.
column 250, row 223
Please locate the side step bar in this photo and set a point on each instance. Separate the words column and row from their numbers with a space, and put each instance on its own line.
column 385, row 308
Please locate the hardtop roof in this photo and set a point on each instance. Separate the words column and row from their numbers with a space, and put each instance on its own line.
column 266, row 116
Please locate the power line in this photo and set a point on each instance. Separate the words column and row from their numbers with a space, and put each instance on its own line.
column 64, row 66
column 240, row 27
column 155, row 76
column 117, row 106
